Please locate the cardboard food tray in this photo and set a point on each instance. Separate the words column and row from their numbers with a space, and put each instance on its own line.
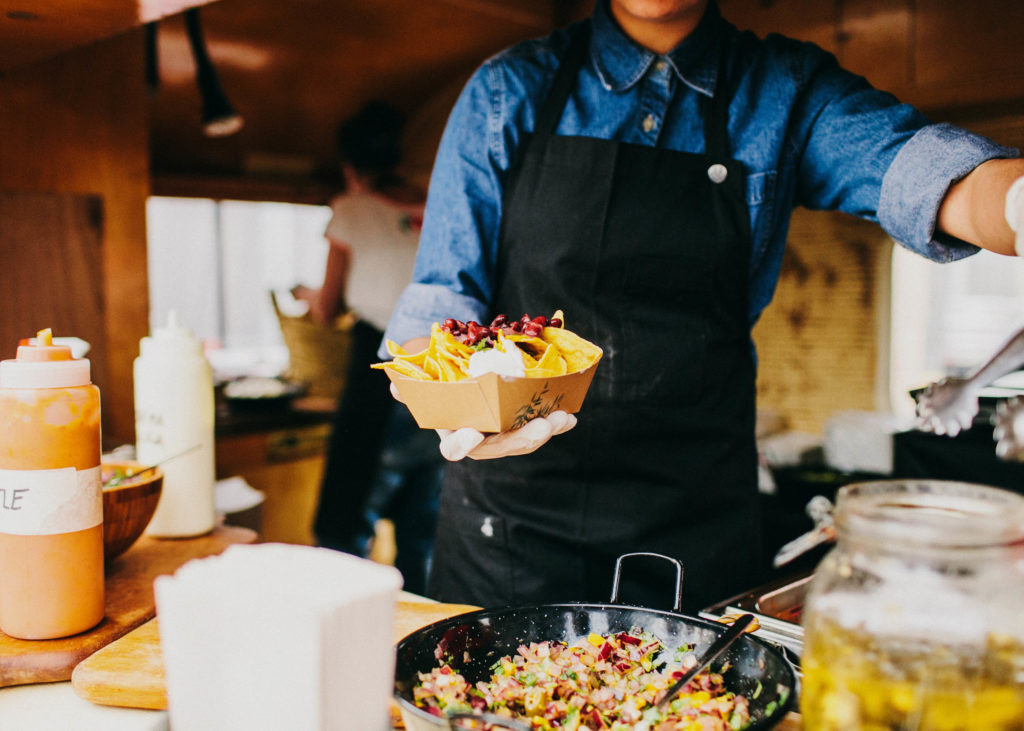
column 491, row 403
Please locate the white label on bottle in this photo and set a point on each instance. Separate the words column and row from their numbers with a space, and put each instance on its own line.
column 47, row 502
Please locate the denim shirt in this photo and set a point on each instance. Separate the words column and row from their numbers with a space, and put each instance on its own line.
column 807, row 132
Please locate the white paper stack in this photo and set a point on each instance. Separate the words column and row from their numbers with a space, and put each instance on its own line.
column 861, row 441
column 278, row 636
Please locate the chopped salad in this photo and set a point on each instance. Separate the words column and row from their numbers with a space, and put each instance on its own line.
column 607, row 682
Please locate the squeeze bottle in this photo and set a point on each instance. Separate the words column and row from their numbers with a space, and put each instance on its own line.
column 51, row 494
column 174, row 421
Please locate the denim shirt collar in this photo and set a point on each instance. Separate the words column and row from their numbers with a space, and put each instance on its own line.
column 621, row 62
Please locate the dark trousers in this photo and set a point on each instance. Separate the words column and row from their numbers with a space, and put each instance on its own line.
column 353, row 450
column 380, row 464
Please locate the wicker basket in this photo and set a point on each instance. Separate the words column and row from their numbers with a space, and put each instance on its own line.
column 318, row 354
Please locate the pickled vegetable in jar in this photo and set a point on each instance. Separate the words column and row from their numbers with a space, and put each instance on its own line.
column 915, row 620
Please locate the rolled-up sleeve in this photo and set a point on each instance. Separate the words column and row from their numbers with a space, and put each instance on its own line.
column 421, row 305
column 454, row 269
column 916, row 182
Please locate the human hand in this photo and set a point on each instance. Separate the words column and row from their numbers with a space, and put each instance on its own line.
column 1009, row 429
column 304, row 293
column 466, row 442
column 1015, row 213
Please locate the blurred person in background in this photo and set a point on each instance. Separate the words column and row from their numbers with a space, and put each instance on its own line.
column 379, row 464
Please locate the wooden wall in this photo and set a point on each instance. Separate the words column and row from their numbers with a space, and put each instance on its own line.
column 77, row 123
column 823, row 342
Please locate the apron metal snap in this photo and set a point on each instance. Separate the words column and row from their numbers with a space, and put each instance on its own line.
column 718, row 173
column 487, row 528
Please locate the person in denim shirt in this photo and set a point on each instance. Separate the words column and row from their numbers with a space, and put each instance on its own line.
column 638, row 170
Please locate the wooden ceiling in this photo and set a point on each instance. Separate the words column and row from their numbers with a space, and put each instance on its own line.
column 31, row 30
column 295, row 69
column 292, row 68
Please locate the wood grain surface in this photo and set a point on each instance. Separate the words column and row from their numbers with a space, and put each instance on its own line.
column 129, row 603
column 130, row 671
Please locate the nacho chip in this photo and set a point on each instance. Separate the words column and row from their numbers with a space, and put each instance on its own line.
column 552, row 363
column 405, row 368
column 557, row 352
column 394, row 348
column 579, row 353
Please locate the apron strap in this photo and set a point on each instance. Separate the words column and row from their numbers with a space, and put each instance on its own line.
column 716, row 115
column 569, row 65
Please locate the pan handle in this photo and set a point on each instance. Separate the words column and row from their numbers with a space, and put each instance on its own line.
column 679, row 576
column 455, row 721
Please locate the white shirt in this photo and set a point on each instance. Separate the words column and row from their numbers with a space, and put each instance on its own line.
column 383, row 237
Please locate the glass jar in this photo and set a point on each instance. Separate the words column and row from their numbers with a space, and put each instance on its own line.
column 915, row 620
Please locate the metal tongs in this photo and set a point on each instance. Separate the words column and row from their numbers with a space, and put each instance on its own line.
column 819, row 508
column 950, row 405
column 717, row 648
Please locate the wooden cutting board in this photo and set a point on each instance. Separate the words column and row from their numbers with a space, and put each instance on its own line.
column 129, row 603
column 130, row 671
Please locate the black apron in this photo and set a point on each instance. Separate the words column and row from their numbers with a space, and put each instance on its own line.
column 647, row 251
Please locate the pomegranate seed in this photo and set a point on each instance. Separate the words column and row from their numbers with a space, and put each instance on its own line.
column 517, row 326
column 541, row 320
column 499, row 320
column 448, row 325
column 533, row 329
column 555, row 322
column 524, row 319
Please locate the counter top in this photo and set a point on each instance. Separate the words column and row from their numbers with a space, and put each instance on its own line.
column 56, row 705
column 300, row 412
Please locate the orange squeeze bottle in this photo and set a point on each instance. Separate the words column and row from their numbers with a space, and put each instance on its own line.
column 51, row 500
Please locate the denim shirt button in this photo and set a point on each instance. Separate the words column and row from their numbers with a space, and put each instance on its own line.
column 660, row 65
column 648, row 123
column 718, row 173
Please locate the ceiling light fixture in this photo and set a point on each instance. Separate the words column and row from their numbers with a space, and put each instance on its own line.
column 219, row 117
column 152, row 59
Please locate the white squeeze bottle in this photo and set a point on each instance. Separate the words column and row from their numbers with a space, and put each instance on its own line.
column 174, row 420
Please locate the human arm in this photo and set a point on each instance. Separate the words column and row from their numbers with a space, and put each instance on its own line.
column 976, row 208
column 865, row 153
column 454, row 276
column 330, row 298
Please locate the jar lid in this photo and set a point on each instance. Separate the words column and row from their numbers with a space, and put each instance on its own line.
column 42, row 364
column 930, row 513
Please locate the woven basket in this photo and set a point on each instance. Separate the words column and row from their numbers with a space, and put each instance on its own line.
column 318, row 354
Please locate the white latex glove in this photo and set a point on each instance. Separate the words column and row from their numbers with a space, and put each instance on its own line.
column 1015, row 212
column 462, row 443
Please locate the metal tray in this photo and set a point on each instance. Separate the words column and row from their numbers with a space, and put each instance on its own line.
column 777, row 607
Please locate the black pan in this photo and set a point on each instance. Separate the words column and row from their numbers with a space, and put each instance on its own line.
column 473, row 642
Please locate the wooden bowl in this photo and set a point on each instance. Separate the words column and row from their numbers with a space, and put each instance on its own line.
column 129, row 506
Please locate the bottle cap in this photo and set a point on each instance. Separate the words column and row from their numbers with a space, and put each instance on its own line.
column 171, row 341
column 41, row 364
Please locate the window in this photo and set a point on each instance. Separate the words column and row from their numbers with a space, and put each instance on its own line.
column 949, row 318
column 215, row 263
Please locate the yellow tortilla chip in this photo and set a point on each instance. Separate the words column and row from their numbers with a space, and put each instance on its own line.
column 450, row 367
column 552, row 363
column 430, row 365
column 579, row 354
column 394, row 348
column 405, row 368
column 446, row 358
